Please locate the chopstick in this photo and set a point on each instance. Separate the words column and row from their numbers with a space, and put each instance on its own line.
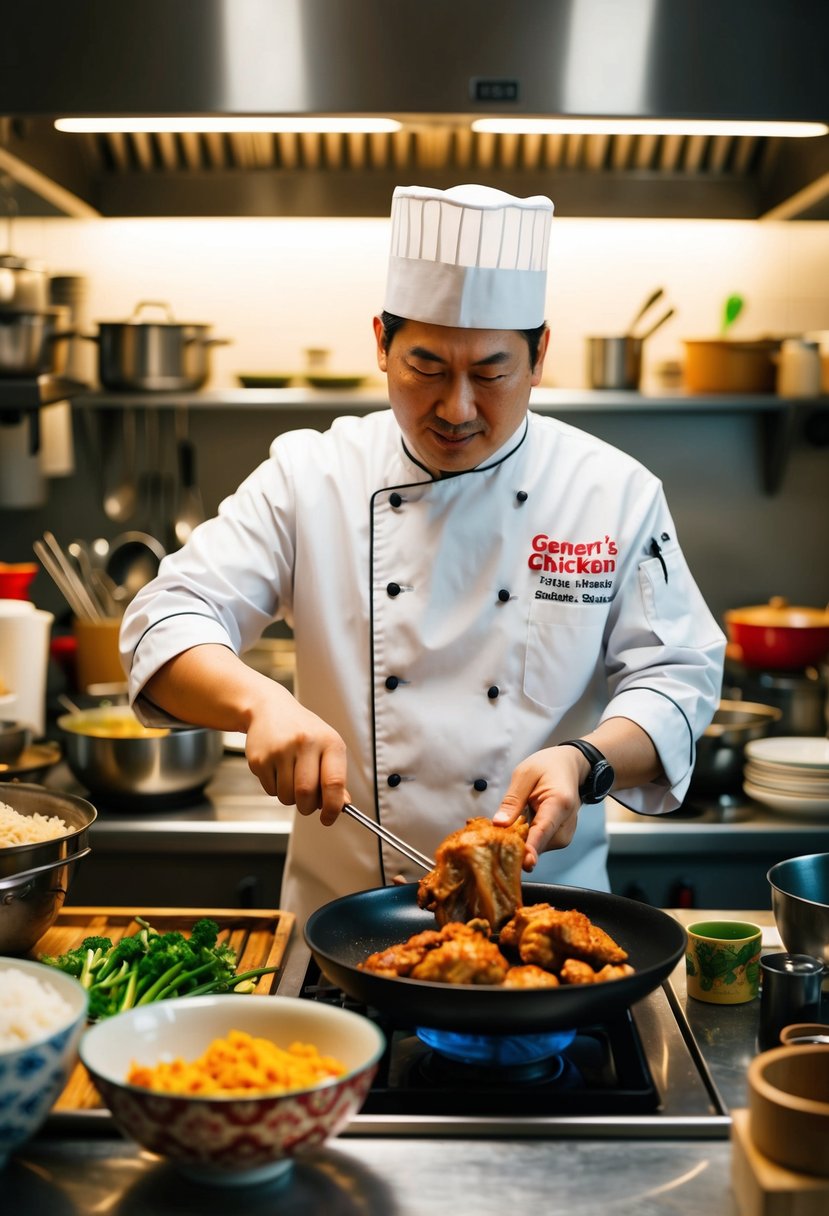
column 407, row 850
column 58, row 567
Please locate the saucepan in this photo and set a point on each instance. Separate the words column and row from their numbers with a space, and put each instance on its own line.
column 343, row 933
column 778, row 635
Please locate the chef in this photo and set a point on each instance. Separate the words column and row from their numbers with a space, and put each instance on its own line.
column 491, row 610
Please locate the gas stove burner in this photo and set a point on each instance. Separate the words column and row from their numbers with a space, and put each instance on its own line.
column 496, row 1050
column 488, row 1063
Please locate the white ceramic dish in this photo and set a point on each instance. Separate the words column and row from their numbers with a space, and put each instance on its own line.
column 795, row 804
column 234, row 741
column 809, row 776
column 803, row 751
column 785, row 784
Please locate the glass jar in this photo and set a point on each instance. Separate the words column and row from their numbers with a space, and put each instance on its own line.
column 798, row 368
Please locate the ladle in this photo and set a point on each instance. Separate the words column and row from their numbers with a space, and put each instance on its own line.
column 120, row 500
column 190, row 510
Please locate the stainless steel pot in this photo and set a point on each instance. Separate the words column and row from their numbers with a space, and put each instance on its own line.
column 614, row 362
column 158, row 770
column 35, row 878
column 719, row 763
column 139, row 355
column 32, row 343
column 24, row 286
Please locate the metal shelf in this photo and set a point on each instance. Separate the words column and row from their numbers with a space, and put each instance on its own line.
column 778, row 418
column 373, row 397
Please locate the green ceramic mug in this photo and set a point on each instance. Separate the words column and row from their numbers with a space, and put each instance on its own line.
column 722, row 961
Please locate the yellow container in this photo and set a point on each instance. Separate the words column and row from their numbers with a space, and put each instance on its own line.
column 97, row 659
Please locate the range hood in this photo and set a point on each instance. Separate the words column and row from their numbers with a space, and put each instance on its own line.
column 435, row 65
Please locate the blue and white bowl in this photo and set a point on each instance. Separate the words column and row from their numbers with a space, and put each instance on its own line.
column 32, row 1076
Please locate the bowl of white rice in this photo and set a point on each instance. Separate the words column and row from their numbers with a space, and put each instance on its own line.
column 43, row 837
column 42, row 1017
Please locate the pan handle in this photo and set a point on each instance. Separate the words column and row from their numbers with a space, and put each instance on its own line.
column 7, row 884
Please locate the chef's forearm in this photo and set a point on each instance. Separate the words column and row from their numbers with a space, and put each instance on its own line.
column 210, row 686
column 629, row 749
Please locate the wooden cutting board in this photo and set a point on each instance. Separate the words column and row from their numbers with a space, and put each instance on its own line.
column 259, row 938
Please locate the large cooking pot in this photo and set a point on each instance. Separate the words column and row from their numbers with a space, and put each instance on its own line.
column 35, row 878
column 32, row 343
column 719, row 764
column 141, row 355
column 777, row 635
column 343, row 933
column 130, row 767
column 24, row 286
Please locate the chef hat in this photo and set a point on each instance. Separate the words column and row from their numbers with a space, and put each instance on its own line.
column 470, row 257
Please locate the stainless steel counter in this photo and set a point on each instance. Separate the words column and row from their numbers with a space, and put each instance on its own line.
column 377, row 1176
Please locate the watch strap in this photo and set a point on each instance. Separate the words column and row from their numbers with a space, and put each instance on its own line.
column 599, row 781
column 589, row 752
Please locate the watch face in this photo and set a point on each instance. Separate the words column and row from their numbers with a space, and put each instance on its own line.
column 600, row 781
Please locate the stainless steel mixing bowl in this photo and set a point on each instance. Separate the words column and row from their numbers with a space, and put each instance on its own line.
column 800, row 902
column 159, row 769
column 35, row 878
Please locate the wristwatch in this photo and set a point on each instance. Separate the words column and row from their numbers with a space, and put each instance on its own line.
column 599, row 781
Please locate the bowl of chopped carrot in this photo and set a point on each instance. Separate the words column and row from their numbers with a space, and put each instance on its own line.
column 228, row 1088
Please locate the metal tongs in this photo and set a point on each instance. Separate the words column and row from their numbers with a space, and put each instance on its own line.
column 407, row 850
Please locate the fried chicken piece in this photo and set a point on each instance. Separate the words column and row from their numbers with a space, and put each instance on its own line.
column 400, row 958
column 547, row 937
column 530, row 977
column 575, row 971
column 511, row 932
column 463, row 960
column 456, row 954
column 477, row 874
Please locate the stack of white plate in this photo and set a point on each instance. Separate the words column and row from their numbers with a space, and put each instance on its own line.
column 789, row 774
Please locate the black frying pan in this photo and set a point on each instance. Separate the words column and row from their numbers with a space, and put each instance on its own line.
column 343, row 933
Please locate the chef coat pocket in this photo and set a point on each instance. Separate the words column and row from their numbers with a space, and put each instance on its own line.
column 672, row 603
column 564, row 644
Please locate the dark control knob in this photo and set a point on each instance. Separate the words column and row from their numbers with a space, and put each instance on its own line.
column 503, row 595
column 393, row 589
column 493, row 693
column 395, row 499
column 391, row 683
column 394, row 779
column 522, row 495
column 479, row 784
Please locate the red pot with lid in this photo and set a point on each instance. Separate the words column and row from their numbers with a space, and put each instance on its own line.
column 779, row 635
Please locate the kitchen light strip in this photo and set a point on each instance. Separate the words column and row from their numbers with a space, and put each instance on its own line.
column 211, row 124
column 646, row 126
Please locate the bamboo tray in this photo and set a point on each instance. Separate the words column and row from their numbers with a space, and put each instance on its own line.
column 259, row 938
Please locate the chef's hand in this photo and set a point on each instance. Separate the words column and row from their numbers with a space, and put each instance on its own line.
column 548, row 783
column 296, row 756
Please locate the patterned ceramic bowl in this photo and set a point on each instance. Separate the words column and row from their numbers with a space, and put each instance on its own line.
column 231, row 1140
column 33, row 1074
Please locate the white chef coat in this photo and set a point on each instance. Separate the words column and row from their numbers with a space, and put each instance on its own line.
column 448, row 628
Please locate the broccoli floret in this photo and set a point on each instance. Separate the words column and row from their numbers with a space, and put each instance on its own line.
column 204, row 935
column 83, row 960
